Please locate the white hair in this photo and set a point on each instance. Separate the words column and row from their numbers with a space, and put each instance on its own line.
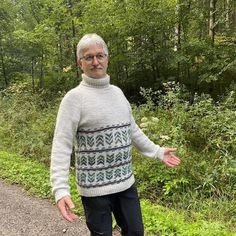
column 88, row 40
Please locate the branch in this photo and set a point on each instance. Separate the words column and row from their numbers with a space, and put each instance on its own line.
column 223, row 15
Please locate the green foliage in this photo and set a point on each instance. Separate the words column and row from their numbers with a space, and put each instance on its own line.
column 164, row 222
column 204, row 134
column 28, row 122
column 33, row 175
column 150, row 42
column 158, row 220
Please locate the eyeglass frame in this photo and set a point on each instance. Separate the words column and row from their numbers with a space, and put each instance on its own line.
column 90, row 58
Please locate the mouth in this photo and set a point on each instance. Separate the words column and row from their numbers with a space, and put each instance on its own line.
column 96, row 68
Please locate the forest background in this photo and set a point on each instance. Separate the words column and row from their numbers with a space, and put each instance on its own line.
column 174, row 60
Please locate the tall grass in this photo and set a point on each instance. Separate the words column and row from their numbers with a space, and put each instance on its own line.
column 204, row 133
column 158, row 220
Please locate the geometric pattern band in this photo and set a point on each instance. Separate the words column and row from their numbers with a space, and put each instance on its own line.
column 103, row 156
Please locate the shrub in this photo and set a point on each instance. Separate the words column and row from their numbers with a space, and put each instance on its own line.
column 205, row 135
column 27, row 122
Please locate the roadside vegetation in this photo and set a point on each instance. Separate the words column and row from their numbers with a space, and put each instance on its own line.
column 158, row 220
column 196, row 198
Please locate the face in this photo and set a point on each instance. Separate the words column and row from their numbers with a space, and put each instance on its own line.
column 94, row 62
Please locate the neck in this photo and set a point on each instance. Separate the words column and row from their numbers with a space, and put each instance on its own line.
column 96, row 83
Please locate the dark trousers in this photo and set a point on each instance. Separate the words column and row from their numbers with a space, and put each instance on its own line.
column 125, row 207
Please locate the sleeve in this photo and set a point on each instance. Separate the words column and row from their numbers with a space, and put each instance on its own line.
column 66, row 125
column 144, row 144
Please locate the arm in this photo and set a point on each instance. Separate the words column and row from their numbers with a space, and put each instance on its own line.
column 149, row 149
column 66, row 126
column 144, row 144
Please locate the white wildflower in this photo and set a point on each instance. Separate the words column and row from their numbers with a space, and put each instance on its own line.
column 66, row 69
column 143, row 125
column 155, row 119
column 144, row 119
column 165, row 137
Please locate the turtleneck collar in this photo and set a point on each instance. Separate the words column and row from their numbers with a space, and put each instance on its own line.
column 96, row 83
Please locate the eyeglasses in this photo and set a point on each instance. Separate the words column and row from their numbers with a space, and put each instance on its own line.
column 100, row 57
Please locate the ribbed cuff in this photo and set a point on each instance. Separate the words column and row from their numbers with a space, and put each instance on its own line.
column 160, row 153
column 61, row 193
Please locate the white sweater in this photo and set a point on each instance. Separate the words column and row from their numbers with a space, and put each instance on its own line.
column 96, row 118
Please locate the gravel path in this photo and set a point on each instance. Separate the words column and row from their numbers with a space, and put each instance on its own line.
column 21, row 214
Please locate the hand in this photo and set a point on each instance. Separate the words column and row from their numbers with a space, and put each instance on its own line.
column 169, row 159
column 64, row 205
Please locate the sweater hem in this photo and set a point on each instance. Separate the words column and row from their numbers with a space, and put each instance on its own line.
column 105, row 190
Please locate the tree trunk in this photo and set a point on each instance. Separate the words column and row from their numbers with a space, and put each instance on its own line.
column 73, row 36
column 74, row 48
column 32, row 75
column 41, row 83
column 234, row 17
column 177, row 27
column 177, row 36
column 227, row 15
column 212, row 21
column 60, row 54
column 3, row 66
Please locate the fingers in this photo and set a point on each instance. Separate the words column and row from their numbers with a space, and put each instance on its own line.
column 171, row 160
column 64, row 206
column 71, row 217
column 69, row 203
column 169, row 150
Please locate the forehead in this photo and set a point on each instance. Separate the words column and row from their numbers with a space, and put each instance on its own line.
column 93, row 49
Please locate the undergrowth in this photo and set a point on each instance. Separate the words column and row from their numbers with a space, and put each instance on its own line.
column 158, row 220
column 203, row 130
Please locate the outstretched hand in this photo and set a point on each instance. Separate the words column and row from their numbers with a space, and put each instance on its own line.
column 170, row 159
column 65, row 205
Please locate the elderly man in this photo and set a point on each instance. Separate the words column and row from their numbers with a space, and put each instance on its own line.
column 96, row 118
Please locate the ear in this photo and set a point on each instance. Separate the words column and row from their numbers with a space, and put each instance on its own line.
column 79, row 63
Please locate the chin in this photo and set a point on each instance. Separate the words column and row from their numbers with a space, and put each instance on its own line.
column 98, row 76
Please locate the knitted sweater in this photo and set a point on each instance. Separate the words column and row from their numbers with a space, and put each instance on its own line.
column 96, row 118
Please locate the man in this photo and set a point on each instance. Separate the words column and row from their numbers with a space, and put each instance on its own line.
column 97, row 119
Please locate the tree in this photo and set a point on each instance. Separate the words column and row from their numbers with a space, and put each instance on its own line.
column 6, row 26
column 150, row 42
column 212, row 23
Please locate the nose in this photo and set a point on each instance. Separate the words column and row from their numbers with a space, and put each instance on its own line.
column 95, row 61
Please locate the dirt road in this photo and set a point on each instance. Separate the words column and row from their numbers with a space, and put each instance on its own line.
column 21, row 214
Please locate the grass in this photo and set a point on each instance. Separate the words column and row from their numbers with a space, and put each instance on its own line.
column 33, row 175
column 158, row 220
